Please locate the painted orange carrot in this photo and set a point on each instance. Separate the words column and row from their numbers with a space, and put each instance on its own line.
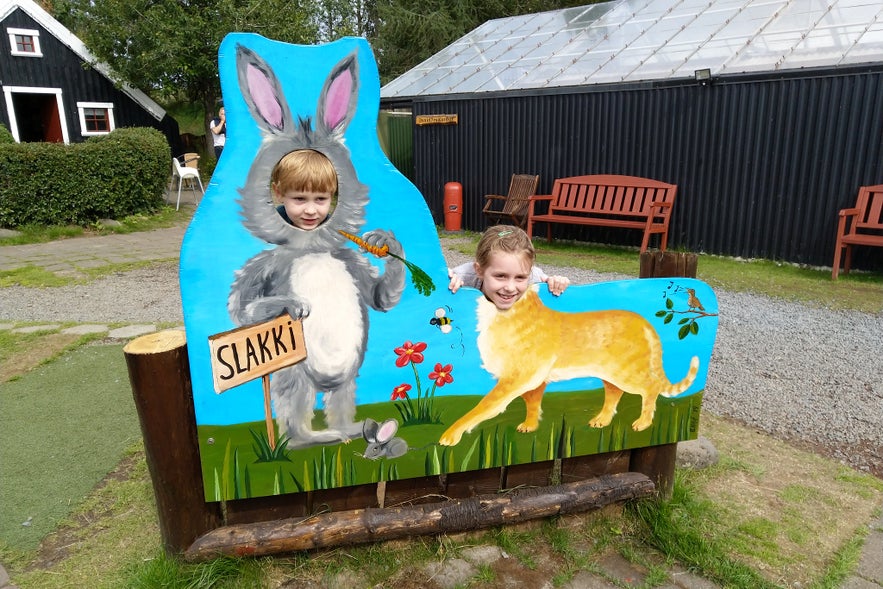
column 420, row 279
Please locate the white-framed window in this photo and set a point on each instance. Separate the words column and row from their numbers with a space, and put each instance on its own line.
column 25, row 42
column 96, row 118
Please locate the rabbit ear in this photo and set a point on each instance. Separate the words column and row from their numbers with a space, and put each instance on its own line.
column 369, row 430
column 262, row 92
column 337, row 103
column 387, row 430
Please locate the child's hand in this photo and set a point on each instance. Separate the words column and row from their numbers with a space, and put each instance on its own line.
column 455, row 283
column 557, row 284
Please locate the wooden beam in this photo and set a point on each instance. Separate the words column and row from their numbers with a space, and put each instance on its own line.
column 371, row 525
column 658, row 462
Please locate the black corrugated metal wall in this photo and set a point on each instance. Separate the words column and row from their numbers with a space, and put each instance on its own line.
column 762, row 164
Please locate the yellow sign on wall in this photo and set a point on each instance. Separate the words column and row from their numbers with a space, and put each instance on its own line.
column 437, row 120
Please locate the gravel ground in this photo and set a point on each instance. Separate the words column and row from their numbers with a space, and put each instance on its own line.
column 812, row 376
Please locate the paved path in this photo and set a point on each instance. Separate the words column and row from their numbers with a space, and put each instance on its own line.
column 66, row 256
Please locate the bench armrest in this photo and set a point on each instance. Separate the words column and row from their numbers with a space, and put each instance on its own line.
column 842, row 218
column 658, row 209
column 534, row 199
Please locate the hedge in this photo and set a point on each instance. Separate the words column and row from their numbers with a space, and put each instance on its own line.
column 107, row 177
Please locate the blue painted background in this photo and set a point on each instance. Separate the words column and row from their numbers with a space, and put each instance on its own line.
column 216, row 245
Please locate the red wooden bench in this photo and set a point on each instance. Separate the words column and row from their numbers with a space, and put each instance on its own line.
column 626, row 202
column 865, row 227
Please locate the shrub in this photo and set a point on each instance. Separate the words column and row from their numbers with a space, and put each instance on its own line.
column 5, row 135
column 111, row 176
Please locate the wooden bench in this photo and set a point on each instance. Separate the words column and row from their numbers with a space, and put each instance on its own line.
column 865, row 227
column 625, row 202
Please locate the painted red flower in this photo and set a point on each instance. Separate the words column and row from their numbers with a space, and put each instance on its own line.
column 400, row 392
column 409, row 352
column 442, row 375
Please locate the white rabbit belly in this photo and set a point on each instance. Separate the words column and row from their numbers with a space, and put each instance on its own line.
column 334, row 330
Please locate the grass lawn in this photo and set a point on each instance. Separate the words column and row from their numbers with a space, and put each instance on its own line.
column 63, row 428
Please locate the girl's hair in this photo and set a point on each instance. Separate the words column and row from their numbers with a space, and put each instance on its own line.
column 304, row 170
column 503, row 238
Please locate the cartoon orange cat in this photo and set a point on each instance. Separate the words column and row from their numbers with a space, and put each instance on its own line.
column 530, row 345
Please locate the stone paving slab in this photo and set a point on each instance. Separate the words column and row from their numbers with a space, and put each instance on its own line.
column 131, row 331
column 37, row 328
column 85, row 329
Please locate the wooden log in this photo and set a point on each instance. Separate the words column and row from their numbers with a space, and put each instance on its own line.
column 372, row 524
column 658, row 462
column 159, row 373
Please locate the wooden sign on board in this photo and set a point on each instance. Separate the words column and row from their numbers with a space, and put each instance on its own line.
column 246, row 353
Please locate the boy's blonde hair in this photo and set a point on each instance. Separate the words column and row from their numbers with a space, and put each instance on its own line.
column 304, row 170
column 504, row 238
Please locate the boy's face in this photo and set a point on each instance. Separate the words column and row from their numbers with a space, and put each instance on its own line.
column 504, row 279
column 306, row 210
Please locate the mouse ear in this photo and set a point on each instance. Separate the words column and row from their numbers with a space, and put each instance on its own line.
column 369, row 430
column 387, row 430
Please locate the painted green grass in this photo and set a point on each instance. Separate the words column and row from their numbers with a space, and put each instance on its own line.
column 233, row 469
column 63, row 427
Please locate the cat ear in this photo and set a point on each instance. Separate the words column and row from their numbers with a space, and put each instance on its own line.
column 387, row 430
column 262, row 92
column 337, row 103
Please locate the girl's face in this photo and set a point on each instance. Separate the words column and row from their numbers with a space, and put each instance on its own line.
column 505, row 278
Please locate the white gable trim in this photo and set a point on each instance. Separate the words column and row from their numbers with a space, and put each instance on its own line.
column 64, row 35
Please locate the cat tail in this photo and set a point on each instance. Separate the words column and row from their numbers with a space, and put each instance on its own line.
column 678, row 388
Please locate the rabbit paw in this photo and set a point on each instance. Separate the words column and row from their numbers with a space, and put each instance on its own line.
column 270, row 308
column 380, row 238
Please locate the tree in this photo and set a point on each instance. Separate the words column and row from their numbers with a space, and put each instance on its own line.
column 170, row 47
column 341, row 18
column 410, row 31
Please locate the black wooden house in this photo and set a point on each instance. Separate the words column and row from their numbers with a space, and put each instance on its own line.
column 767, row 114
column 55, row 91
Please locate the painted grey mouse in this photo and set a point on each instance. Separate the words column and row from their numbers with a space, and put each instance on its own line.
column 381, row 439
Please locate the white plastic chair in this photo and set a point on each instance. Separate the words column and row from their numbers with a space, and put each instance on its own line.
column 185, row 173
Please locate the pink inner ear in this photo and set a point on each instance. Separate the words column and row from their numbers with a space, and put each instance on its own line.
column 264, row 97
column 338, row 99
column 386, row 431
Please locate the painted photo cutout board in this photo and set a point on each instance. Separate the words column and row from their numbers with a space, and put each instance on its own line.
column 336, row 356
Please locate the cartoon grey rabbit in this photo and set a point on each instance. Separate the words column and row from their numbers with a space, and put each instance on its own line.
column 314, row 274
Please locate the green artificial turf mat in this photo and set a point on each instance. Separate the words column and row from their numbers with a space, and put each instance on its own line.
column 63, row 427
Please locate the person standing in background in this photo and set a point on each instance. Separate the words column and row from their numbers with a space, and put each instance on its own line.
column 218, row 127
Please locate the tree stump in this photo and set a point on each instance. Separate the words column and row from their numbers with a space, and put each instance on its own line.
column 159, row 372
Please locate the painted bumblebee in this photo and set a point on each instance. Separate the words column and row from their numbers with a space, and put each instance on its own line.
column 441, row 321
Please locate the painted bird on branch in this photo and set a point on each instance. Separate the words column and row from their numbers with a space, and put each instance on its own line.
column 692, row 301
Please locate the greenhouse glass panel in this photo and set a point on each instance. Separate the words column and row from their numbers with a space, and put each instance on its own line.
column 640, row 40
